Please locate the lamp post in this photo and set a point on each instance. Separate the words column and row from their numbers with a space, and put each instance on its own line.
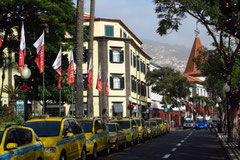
column 220, row 123
column 226, row 89
column 204, row 105
column 25, row 74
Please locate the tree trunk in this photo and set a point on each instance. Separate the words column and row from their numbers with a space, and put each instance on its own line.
column 79, row 57
column 90, row 54
column 232, row 116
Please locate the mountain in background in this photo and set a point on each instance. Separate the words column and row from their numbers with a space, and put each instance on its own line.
column 163, row 54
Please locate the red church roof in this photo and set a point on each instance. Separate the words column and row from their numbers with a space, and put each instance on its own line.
column 191, row 78
column 191, row 67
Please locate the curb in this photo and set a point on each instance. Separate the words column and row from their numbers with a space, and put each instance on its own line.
column 230, row 148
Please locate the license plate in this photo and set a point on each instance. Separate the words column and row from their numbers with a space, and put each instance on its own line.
column 201, row 126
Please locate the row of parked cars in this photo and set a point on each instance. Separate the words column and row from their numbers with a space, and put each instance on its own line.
column 200, row 123
column 58, row 138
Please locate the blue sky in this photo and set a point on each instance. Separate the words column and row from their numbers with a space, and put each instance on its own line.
column 140, row 17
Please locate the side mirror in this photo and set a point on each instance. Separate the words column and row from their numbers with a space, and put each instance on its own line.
column 69, row 134
column 11, row 146
column 99, row 131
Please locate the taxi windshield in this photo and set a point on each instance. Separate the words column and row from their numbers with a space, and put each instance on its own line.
column 111, row 127
column 138, row 122
column 147, row 124
column 1, row 134
column 87, row 126
column 123, row 124
column 153, row 123
column 45, row 128
column 159, row 121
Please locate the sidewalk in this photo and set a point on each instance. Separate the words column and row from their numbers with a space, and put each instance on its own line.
column 231, row 148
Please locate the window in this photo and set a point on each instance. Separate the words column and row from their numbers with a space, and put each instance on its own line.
column 109, row 31
column 124, row 35
column 66, row 128
column 138, row 64
column 75, row 126
column 24, row 137
column 116, row 56
column 120, row 32
column 134, row 61
column 85, row 55
column 117, row 82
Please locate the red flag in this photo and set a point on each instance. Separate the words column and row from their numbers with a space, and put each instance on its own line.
column 90, row 74
column 22, row 50
column 99, row 80
column 0, row 40
column 57, row 65
column 70, row 74
column 107, row 87
column 39, row 45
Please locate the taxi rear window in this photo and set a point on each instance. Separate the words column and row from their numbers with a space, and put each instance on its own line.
column 153, row 123
column 123, row 124
column 1, row 135
column 45, row 128
column 87, row 126
column 159, row 121
column 147, row 124
column 111, row 127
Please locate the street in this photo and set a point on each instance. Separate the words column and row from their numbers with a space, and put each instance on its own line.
column 178, row 145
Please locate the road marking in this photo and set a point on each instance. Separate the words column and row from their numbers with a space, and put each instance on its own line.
column 166, row 156
column 179, row 144
column 182, row 141
column 174, row 149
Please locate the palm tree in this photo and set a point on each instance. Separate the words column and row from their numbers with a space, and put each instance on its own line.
column 13, row 93
column 79, row 57
column 90, row 54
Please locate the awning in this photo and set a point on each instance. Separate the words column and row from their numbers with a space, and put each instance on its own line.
column 72, row 107
column 118, row 107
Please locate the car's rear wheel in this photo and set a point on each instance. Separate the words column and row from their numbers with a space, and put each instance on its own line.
column 116, row 146
column 108, row 149
column 84, row 155
column 63, row 156
column 94, row 155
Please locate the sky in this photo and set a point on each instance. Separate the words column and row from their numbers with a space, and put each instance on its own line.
column 140, row 17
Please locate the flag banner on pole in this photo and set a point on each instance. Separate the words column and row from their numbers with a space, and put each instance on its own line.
column 57, row 65
column 70, row 73
column 99, row 80
column 22, row 50
column 90, row 74
column 107, row 87
column 0, row 40
column 39, row 45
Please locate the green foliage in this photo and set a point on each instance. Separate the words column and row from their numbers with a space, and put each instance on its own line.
column 57, row 19
column 169, row 83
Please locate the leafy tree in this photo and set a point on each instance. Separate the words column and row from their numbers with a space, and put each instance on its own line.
column 170, row 84
column 221, row 19
column 56, row 18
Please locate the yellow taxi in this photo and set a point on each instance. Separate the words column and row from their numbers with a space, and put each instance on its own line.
column 63, row 138
column 97, row 136
column 150, row 132
column 155, row 128
column 141, row 128
column 117, row 136
column 18, row 142
column 130, row 127
column 161, row 124
column 167, row 126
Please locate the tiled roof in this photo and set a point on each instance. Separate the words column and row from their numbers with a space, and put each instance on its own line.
column 191, row 67
column 191, row 78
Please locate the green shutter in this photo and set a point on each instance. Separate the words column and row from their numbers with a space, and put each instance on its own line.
column 111, row 55
column 122, row 83
column 121, row 56
column 111, row 82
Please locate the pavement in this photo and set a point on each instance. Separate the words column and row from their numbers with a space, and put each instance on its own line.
column 232, row 149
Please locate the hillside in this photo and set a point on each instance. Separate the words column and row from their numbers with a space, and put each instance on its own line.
column 164, row 54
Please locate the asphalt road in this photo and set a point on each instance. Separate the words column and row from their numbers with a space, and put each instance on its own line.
column 178, row 145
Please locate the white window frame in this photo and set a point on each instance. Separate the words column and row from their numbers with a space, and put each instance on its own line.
column 116, row 83
column 116, row 56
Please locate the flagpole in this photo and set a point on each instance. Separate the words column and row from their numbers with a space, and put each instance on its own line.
column 72, row 99
column 44, row 109
column 60, row 100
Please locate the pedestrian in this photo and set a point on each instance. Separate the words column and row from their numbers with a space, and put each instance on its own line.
column 172, row 123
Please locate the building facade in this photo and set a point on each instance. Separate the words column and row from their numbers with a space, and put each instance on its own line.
column 123, row 64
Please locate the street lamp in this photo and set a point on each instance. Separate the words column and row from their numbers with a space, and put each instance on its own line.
column 219, row 100
column 226, row 89
column 25, row 74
